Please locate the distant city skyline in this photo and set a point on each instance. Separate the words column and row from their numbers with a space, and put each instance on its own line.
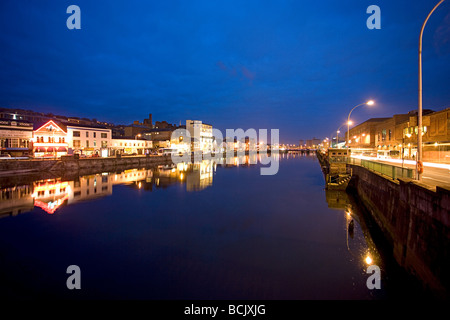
column 294, row 66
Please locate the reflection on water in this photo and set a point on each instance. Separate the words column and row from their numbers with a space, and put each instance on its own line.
column 209, row 230
column 359, row 242
column 50, row 194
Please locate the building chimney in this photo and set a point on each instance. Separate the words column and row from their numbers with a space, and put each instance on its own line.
column 148, row 122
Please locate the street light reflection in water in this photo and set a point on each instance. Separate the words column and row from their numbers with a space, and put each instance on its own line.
column 209, row 230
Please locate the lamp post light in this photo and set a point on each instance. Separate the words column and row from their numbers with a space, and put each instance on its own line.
column 337, row 133
column 403, row 149
column 337, row 138
column 348, row 128
column 419, row 164
column 331, row 140
column 369, row 103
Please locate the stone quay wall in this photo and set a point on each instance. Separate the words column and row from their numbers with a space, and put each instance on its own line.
column 415, row 220
column 69, row 164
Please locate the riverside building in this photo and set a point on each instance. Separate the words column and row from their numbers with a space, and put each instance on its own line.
column 15, row 137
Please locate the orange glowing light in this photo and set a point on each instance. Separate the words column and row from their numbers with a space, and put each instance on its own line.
column 51, row 122
column 51, row 186
column 51, row 206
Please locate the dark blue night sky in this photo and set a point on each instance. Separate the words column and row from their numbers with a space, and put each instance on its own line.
column 297, row 66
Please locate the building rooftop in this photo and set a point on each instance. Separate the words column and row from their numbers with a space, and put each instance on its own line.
column 161, row 129
column 38, row 124
column 4, row 120
column 92, row 126
column 129, row 138
column 137, row 126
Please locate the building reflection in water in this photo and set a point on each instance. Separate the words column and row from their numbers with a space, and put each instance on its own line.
column 16, row 199
column 358, row 239
column 51, row 194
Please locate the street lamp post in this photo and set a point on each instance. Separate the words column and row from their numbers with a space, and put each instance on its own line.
column 369, row 103
column 337, row 133
column 419, row 164
column 403, row 149
column 331, row 141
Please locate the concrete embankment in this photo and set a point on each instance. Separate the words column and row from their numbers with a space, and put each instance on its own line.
column 415, row 220
column 83, row 165
column 15, row 167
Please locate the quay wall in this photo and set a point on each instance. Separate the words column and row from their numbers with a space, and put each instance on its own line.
column 61, row 166
column 67, row 164
column 415, row 220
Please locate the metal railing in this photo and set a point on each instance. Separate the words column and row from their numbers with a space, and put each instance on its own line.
column 391, row 171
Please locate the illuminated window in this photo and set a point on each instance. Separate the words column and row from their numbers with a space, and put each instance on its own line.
column 14, row 143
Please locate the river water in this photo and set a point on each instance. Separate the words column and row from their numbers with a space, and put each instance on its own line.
column 212, row 230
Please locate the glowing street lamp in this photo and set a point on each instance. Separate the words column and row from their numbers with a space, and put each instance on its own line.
column 339, row 131
column 419, row 114
column 369, row 103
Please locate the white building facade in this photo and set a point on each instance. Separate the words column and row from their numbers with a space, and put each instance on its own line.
column 201, row 136
column 89, row 140
column 15, row 137
column 130, row 146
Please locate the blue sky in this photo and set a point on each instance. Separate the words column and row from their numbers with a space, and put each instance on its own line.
column 296, row 66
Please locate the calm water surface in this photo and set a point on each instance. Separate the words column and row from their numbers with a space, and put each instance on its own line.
column 204, row 231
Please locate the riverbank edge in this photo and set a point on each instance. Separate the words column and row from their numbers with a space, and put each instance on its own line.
column 60, row 166
column 414, row 219
column 70, row 164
